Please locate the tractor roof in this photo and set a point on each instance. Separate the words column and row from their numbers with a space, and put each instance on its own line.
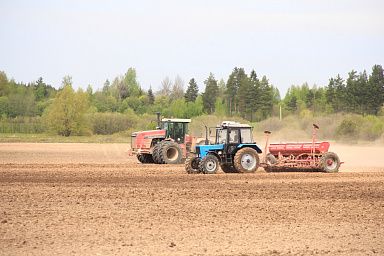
column 176, row 120
column 226, row 124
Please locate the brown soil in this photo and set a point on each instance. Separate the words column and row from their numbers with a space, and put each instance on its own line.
column 93, row 199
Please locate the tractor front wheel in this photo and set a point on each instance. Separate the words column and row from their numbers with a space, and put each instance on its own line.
column 330, row 162
column 145, row 158
column 141, row 158
column 246, row 160
column 209, row 164
column 192, row 164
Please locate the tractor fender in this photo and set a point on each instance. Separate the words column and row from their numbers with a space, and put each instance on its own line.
column 214, row 154
column 254, row 146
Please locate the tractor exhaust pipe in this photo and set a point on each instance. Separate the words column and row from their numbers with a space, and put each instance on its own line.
column 158, row 121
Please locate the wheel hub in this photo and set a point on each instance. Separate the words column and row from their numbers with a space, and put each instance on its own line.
column 248, row 161
column 210, row 166
column 331, row 163
column 172, row 154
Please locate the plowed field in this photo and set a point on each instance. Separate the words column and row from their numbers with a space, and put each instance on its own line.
column 92, row 199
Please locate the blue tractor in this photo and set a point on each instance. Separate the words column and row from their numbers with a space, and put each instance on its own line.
column 234, row 151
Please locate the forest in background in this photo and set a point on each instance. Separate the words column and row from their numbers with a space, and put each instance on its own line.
column 351, row 105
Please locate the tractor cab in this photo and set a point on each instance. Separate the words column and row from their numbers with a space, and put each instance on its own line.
column 233, row 133
column 175, row 128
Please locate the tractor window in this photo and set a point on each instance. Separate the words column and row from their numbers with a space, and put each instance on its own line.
column 246, row 136
column 175, row 131
column 164, row 126
column 169, row 127
column 234, row 136
column 221, row 136
column 179, row 132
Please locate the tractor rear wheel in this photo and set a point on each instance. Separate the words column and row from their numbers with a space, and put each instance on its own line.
column 209, row 164
column 246, row 160
column 228, row 168
column 170, row 152
column 155, row 154
column 330, row 162
column 192, row 164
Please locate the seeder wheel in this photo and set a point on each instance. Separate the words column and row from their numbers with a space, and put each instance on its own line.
column 330, row 162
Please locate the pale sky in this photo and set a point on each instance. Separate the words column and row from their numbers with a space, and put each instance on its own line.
column 291, row 42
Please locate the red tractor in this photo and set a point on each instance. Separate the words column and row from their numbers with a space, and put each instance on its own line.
column 168, row 144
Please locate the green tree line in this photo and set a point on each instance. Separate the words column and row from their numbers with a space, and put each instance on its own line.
column 118, row 104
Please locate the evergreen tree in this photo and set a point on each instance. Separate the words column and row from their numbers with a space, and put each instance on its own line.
column 352, row 91
column 245, row 97
column 234, row 81
column 210, row 94
column 151, row 97
column 192, row 91
column 376, row 90
column 4, row 87
column 42, row 91
column 267, row 97
column 292, row 104
column 255, row 94
column 336, row 94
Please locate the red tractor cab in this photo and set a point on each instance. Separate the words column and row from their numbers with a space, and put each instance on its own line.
column 168, row 144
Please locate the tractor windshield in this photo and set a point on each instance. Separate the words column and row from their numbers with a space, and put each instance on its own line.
column 175, row 130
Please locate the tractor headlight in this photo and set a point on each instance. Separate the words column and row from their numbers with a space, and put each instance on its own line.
column 220, row 152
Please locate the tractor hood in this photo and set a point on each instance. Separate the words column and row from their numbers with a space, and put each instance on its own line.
column 152, row 134
column 202, row 150
column 142, row 141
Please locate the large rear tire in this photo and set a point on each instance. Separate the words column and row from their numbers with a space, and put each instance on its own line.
column 209, row 164
column 156, row 153
column 330, row 162
column 192, row 164
column 170, row 153
column 246, row 160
